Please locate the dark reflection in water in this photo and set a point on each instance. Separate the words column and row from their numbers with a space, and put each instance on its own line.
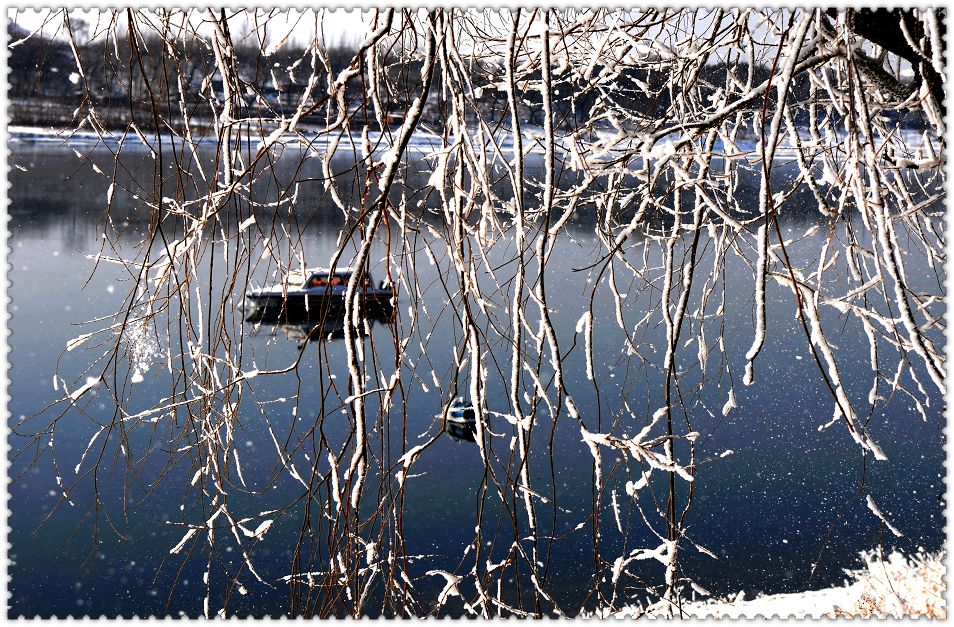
column 330, row 329
column 766, row 510
column 461, row 432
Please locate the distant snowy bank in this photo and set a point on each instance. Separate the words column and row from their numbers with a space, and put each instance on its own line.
column 895, row 587
column 597, row 146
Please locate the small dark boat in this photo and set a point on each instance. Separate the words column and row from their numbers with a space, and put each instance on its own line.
column 461, row 422
column 318, row 295
column 461, row 412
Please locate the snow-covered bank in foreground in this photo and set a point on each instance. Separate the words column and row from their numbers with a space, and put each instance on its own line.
column 894, row 587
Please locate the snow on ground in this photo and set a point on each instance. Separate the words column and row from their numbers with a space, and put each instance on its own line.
column 609, row 145
column 895, row 587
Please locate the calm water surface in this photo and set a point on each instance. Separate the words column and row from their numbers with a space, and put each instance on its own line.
column 786, row 495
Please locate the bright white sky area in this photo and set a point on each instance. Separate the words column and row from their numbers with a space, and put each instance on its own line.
column 269, row 28
column 272, row 29
column 337, row 26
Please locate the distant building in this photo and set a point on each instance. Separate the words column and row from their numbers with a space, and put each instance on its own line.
column 271, row 93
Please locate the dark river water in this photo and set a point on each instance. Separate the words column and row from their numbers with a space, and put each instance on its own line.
column 786, row 495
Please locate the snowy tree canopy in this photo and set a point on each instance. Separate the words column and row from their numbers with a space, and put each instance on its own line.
column 681, row 139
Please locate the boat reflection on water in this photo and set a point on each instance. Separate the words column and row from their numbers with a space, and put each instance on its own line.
column 462, row 432
column 301, row 330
